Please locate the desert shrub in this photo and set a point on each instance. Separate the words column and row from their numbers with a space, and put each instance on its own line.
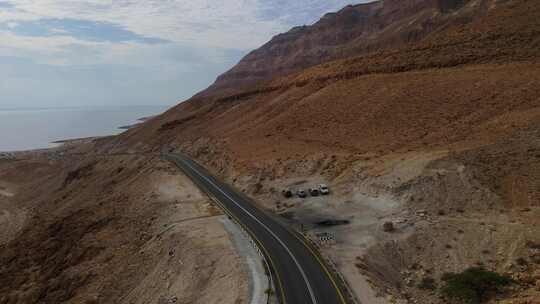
column 533, row 245
column 473, row 285
column 521, row 261
column 427, row 283
column 388, row 227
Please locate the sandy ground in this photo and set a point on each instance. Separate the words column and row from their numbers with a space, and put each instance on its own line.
column 440, row 139
column 363, row 203
column 445, row 218
column 258, row 282
column 195, row 219
column 122, row 229
column 11, row 218
column 6, row 192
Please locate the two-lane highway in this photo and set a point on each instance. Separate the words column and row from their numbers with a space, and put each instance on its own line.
column 300, row 275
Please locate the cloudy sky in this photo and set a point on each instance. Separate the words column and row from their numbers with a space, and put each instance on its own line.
column 132, row 52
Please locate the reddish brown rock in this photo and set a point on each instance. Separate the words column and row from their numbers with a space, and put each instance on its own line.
column 354, row 30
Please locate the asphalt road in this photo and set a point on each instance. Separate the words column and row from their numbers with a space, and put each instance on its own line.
column 300, row 277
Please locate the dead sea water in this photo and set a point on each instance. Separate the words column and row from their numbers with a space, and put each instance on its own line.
column 26, row 129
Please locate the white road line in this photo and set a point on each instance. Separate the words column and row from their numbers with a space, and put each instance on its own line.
column 265, row 227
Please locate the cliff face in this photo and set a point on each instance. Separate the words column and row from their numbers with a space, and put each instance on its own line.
column 497, row 33
column 431, row 121
column 354, row 30
column 439, row 135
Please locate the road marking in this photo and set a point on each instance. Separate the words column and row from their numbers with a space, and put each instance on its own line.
column 265, row 227
column 341, row 297
column 259, row 243
column 253, row 236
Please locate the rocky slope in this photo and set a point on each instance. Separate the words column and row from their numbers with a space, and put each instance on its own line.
column 423, row 114
column 431, row 136
column 111, row 229
column 427, row 92
column 351, row 31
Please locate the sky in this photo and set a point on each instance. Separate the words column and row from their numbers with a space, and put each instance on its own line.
column 58, row 53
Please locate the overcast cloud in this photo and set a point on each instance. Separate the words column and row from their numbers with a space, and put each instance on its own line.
column 132, row 52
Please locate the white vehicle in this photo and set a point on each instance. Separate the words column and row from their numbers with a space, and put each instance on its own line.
column 323, row 189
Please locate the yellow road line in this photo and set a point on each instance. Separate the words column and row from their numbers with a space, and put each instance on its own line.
column 261, row 246
column 259, row 243
column 330, row 276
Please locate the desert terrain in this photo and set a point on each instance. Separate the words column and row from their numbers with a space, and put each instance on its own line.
column 118, row 229
column 438, row 137
column 428, row 136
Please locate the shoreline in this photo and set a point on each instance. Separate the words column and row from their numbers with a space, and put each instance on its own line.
column 58, row 151
column 78, row 140
column 140, row 121
column 57, row 145
column 74, row 141
column 52, row 145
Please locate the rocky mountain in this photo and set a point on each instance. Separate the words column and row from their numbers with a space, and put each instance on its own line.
column 354, row 30
column 420, row 113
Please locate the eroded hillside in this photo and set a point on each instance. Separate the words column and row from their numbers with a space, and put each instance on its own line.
column 439, row 138
column 356, row 29
column 111, row 229
column 423, row 118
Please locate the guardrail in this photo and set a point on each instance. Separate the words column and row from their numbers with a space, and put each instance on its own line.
column 260, row 249
column 267, row 266
column 333, row 267
column 265, row 262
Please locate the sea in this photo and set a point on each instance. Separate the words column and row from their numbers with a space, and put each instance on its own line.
column 37, row 128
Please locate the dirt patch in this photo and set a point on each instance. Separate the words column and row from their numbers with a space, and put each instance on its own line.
column 122, row 229
column 12, row 221
column 449, row 209
column 5, row 192
column 440, row 139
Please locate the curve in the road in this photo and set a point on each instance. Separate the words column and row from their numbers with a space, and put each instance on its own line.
column 301, row 275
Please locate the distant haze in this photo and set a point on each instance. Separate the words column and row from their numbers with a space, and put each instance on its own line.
column 72, row 53
column 25, row 129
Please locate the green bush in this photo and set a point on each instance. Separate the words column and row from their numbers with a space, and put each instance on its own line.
column 472, row 286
